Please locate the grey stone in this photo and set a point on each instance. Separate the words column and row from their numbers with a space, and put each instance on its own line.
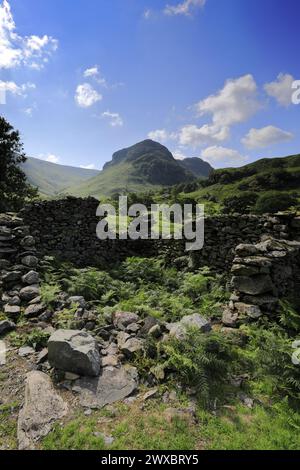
column 6, row 326
column 195, row 321
column 12, row 276
column 15, row 300
column 77, row 299
column 30, row 261
column 26, row 351
column 150, row 394
column 230, row 317
column 111, row 386
column 42, row 356
column 255, row 285
column 28, row 241
column 149, row 322
column 155, row 331
column 29, row 292
column 74, row 351
column 110, row 361
column 122, row 319
column 132, row 346
column 34, row 310
column 12, row 310
column 32, row 277
column 252, row 311
column 42, row 408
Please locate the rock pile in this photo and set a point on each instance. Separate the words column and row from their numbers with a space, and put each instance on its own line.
column 261, row 275
column 19, row 279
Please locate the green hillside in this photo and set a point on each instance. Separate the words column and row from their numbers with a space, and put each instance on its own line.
column 145, row 166
column 197, row 166
column 52, row 179
column 229, row 187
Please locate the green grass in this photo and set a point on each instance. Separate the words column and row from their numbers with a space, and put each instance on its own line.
column 234, row 428
column 131, row 428
column 272, row 428
column 8, row 425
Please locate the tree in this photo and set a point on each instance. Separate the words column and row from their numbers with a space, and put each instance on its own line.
column 14, row 189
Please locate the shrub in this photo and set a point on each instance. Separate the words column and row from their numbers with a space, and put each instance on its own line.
column 243, row 203
column 271, row 202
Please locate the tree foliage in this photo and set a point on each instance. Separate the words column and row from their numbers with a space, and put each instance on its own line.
column 14, row 189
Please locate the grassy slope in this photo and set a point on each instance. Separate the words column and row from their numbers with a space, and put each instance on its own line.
column 117, row 178
column 51, row 178
column 221, row 191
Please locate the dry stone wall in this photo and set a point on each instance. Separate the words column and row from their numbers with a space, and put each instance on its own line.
column 67, row 229
column 262, row 274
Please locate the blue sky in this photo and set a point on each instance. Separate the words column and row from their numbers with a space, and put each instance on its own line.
column 207, row 78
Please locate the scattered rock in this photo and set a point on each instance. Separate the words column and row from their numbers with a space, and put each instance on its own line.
column 6, row 326
column 122, row 319
column 74, row 351
column 42, row 356
column 150, row 394
column 110, row 361
column 26, row 351
column 42, row 407
column 111, row 386
column 77, row 299
column 179, row 329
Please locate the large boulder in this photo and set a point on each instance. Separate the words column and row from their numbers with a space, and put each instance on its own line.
column 74, row 351
column 114, row 384
column 42, row 408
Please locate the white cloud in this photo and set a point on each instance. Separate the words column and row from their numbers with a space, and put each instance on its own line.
column 32, row 51
column 178, row 155
column 88, row 167
column 281, row 89
column 115, row 119
column 52, row 159
column 266, row 136
column 95, row 73
column 160, row 135
column 86, row 95
column 234, row 103
column 14, row 89
column 184, row 8
column 222, row 156
column 49, row 157
column 194, row 136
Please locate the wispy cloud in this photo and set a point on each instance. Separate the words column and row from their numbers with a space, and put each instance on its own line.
column 115, row 120
column 187, row 7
